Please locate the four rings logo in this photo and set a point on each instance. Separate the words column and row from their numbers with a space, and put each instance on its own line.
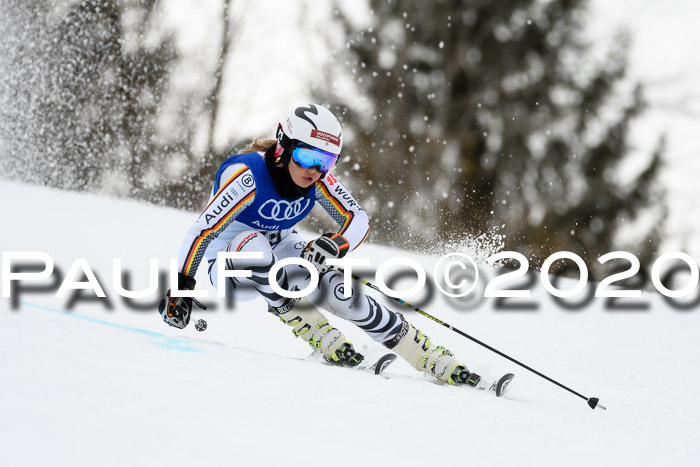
column 283, row 210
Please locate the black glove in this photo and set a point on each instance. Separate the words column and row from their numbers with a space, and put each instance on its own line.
column 176, row 311
column 328, row 245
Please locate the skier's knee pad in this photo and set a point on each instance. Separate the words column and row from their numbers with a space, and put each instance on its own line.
column 248, row 241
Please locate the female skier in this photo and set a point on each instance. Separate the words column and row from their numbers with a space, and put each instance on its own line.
column 257, row 199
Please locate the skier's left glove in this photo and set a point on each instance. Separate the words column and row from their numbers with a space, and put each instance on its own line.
column 176, row 311
column 328, row 245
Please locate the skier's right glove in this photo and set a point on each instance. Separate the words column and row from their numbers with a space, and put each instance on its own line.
column 176, row 311
column 328, row 245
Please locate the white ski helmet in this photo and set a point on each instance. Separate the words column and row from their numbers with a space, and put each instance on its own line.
column 312, row 124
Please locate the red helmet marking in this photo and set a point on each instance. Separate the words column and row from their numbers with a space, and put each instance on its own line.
column 322, row 135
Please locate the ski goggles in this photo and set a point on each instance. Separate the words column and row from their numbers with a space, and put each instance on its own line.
column 309, row 156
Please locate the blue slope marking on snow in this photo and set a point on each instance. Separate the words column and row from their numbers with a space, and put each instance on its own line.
column 162, row 341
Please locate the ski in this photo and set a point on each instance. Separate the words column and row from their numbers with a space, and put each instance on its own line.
column 498, row 386
column 383, row 362
column 375, row 366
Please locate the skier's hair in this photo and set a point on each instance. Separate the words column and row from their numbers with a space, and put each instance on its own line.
column 260, row 145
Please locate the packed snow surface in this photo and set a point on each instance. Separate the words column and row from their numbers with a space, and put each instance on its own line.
column 115, row 386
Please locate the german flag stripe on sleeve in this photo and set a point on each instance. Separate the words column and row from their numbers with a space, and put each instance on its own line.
column 225, row 185
column 206, row 236
column 363, row 239
column 348, row 215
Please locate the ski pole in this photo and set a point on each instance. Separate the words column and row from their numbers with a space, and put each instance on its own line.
column 593, row 402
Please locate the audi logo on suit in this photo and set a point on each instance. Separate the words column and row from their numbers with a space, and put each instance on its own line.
column 283, row 210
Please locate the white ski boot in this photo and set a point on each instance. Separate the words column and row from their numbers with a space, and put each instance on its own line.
column 309, row 324
column 416, row 348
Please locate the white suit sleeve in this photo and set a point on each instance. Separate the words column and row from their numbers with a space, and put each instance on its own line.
column 236, row 192
column 342, row 207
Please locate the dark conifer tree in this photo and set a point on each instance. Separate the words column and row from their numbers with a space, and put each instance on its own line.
column 492, row 116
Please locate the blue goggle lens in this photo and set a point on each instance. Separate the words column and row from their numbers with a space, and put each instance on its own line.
column 308, row 157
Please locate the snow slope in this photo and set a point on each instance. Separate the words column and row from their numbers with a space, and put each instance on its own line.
column 96, row 386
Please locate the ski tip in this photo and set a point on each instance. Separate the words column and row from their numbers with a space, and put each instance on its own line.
column 502, row 383
column 594, row 402
column 383, row 362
